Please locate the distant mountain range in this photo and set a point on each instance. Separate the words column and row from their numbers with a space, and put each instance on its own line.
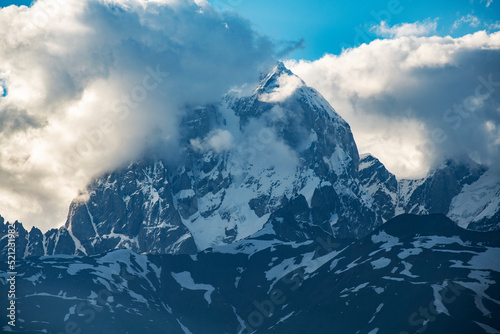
column 268, row 193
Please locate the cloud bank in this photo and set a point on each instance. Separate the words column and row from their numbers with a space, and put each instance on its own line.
column 412, row 101
column 89, row 85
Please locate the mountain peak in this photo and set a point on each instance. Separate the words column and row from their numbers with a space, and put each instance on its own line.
column 281, row 68
column 270, row 80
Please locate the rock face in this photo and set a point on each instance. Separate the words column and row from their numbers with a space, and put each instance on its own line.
column 413, row 274
column 278, row 158
column 132, row 208
column 380, row 183
column 477, row 207
column 466, row 192
column 435, row 193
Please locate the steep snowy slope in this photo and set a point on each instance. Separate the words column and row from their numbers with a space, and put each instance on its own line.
column 478, row 205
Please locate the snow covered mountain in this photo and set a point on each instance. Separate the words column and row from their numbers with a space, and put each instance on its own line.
column 466, row 192
column 276, row 159
column 477, row 207
column 414, row 274
column 241, row 161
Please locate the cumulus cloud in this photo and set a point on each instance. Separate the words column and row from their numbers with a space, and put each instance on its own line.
column 89, row 85
column 405, row 29
column 413, row 101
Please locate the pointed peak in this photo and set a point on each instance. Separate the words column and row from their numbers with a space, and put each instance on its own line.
column 368, row 160
column 276, row 71
column 367, row 156
column 270, row 81
column 35, row 230
column 280, row 68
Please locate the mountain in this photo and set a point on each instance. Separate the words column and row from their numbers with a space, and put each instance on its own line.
column 278, row 158
column 381, row 184
column 241, row 162
column 477, row 207
column 413, row 274
column 463, row 190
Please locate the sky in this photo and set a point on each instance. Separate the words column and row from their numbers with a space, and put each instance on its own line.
column 329, row 26
column 418, row 81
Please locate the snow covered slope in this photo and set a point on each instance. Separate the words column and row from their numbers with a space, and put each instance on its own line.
column 466, row 192
column 380, row 184
column 478, row 205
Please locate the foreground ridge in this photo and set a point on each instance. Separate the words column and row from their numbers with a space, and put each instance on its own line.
column 413, row 274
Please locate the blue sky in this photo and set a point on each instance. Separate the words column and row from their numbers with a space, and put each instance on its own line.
column 328, row 26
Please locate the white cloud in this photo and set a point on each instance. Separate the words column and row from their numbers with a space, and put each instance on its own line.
column 487, row 2
column 220, row 140
column 470, row 19
column 425, row 28
column 494, row 26
column 287, row 85
column 217, row 140
column 412, row 100
column 92, row 84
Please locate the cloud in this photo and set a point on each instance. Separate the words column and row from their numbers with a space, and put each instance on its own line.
column 217, row 140
column 470, row 19
column 413, row 101
column 487, row 2
column 405, row 29
column 286, row 86
column 90, row 85
column 494, row 26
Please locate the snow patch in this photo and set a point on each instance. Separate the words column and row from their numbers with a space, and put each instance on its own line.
column 388, row 241
column 380, row 263
column 186, row 281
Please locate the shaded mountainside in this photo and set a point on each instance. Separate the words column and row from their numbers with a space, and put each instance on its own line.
column 413, row 274
column 463, row 190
